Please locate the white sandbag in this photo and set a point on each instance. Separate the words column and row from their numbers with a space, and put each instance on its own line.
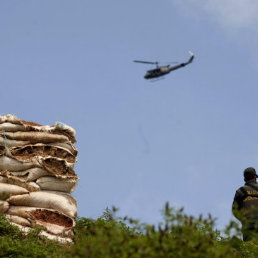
column 28, row 152
column 54, row 222
column 57, row 184
column 50, row 228
column 35, row 137
column 3, row 150
column 62, row 202
column 10, row 127
column 30, row 186
column 44, row 234
column 18, row 220
column 61, row 128
column 66, row 145
column 58, row 128
column 64, row 127
column 31, row 174
column 4, row 206
column 63, row 240
column 56, row 166
column 51, row 216
column 53, row 228
column 47, row 215
column 10, row 119
column 23, row 229
column 11, row 190
column 12, row 143
column 21, row 211
column 19, row 174
column 7, row 163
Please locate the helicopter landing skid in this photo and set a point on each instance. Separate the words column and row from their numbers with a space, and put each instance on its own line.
column 159, row 79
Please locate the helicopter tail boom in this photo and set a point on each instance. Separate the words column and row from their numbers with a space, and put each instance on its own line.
column 191, row 58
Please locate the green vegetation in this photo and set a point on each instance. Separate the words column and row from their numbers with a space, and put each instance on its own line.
column 178, row 235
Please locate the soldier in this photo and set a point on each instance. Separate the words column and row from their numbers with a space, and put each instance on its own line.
column 245, row 204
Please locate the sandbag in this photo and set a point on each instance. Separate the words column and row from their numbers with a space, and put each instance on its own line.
column 62, row 202
column 35, row 137
column 63, row 240
column 10, row 190
column 22, row 175
column 53, row 228
column 57, row 184
column 30, row 186
column 10, row 127
column 58, row 128
column 2, row 150
column 29, row 175
column 64, row 129
column 51, row 217
column 53, row 221
column 18, row 220
column 67, row 131
column 23, row 229
column 58, row 167
column 11, row 143
column 44, row 234
column 26, row 153
column 46, row 215
column 65, row 145
column 7, row 163
column 10, row 119
column 34, row 173
column 4, row 206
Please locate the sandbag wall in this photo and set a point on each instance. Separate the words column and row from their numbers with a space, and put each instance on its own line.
column 37, row 176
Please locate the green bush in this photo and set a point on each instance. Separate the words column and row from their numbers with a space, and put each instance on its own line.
column 13, row 243
column 178, row 235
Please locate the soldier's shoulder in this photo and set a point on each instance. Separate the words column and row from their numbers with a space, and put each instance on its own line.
column 241, row 190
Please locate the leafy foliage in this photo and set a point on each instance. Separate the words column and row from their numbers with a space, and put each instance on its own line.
column 13, row 243
column 178, row 235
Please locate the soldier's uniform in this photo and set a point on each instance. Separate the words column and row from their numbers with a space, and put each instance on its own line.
column 245, row 205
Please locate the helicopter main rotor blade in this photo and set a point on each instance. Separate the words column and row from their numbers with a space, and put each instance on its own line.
column 145, row 62
column 169, row 62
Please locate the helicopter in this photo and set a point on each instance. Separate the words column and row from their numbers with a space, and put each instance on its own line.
column 165, row 69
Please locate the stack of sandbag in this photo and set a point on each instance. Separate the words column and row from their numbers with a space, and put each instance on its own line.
column 37, row 176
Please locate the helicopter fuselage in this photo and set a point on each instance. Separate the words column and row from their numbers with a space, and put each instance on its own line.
column 157, row 72
column 161, row 70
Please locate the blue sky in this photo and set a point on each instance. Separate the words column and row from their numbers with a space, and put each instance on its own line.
column 185, row 139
